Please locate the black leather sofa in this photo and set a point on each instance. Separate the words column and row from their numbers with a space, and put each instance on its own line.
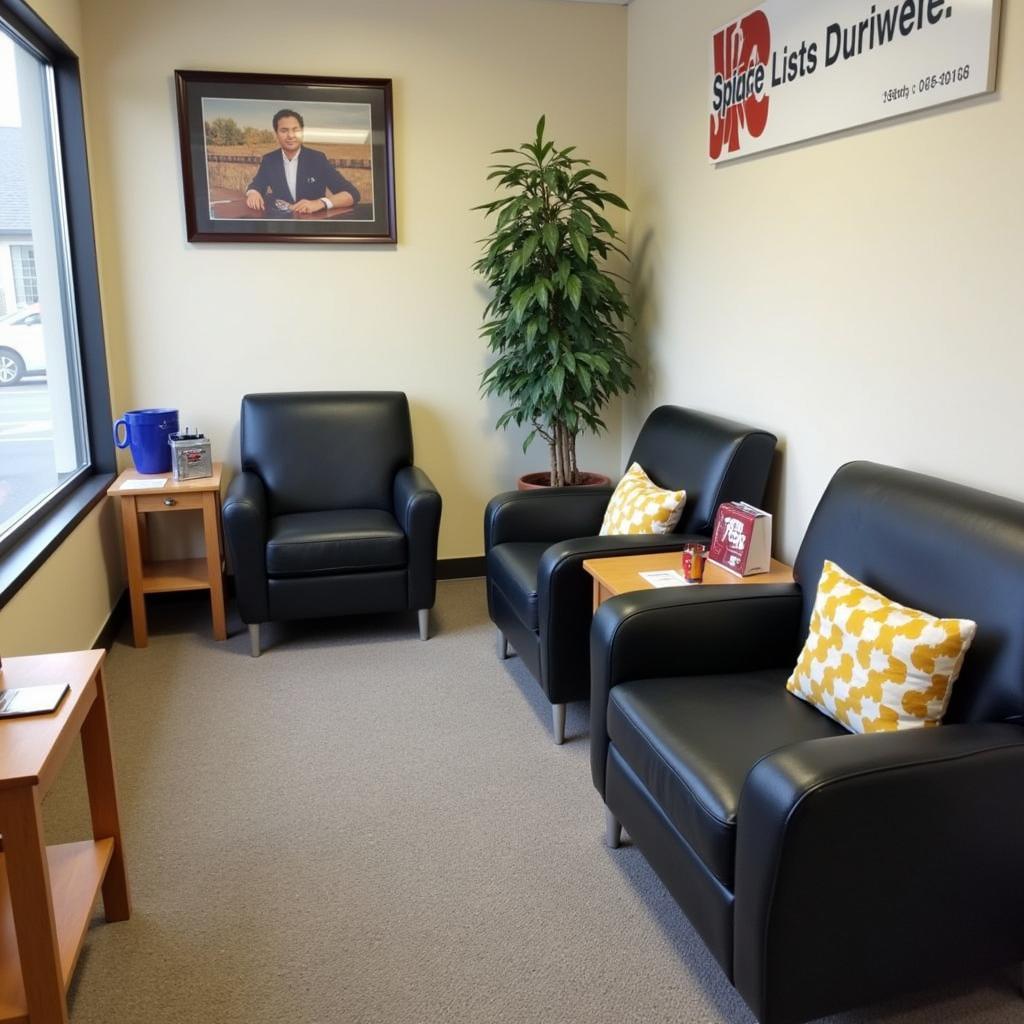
column 538, row 595
column 825, row 870
column 329, row 516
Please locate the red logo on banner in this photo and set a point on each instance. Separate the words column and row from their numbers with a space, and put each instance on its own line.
column 741, row 56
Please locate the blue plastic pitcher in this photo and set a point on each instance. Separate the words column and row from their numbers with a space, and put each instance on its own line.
column 146, row 431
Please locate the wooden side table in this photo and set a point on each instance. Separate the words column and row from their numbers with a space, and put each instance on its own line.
column 47, row 894
column 141, row 494
column 621, row 574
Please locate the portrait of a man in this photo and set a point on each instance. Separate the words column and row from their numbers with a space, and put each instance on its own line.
column 297, row 178
column 273, row 159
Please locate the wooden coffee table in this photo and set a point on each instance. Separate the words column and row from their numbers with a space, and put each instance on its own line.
column 47, row 893
column 621, row 574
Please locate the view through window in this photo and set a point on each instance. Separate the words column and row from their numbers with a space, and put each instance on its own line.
column 43, row 442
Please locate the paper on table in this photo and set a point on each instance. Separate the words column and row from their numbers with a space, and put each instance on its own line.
column 666, row 578
column 142, row 485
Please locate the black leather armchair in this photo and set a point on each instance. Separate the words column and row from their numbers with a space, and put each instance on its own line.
column 538, row 595
column 328, row 515
column 823, row 869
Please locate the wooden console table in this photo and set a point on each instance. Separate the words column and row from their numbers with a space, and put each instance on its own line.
column 141, row 494
column 47, row 894
column 620, row 574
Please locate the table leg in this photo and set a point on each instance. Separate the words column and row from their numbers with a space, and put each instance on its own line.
column 102, row 785
column 214, row 570
column 133, row 558
column 144, row 538
column 597, row 595
column 28, row 876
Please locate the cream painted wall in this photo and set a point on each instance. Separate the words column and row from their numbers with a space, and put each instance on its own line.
column 66, row 603
column 864, row 286
column 197, row 326
column 65, row 18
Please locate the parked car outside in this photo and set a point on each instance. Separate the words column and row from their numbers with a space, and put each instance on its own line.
column 22, row 353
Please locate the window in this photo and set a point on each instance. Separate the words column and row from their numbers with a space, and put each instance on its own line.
column 23, row 261
column 42, row 433
column 56, row 455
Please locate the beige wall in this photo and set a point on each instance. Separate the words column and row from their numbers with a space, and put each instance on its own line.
column 65, row 18
column 865, row 286
column 66, row 603
column 197, row 326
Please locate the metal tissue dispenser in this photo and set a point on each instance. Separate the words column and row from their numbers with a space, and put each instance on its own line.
column 191, row 457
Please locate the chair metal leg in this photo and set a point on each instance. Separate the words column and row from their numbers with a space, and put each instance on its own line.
column 254, row 639
column 502, row 646
column 424, row 616
column 612, row 830
column 558, row 722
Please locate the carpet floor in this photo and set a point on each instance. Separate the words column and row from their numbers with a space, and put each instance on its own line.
column 360, row 827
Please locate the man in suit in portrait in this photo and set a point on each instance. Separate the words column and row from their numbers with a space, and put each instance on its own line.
column 303, row 178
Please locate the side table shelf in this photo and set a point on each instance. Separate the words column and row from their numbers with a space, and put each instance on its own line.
column 141, row 495
column 77, row 871
column 47, row 893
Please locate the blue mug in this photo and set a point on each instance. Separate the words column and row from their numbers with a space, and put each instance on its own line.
column 146, row 431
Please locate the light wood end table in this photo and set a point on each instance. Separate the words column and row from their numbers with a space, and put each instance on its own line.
column 143, row 493
column 621, row 574
column 47, row 893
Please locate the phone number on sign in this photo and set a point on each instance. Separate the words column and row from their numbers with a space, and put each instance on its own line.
column 927, row 84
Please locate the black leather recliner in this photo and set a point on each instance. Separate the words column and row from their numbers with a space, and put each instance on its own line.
column 823, row 869
column 328, row 515
column 538, row 595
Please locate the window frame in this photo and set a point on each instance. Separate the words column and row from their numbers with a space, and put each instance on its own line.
column 38, row 535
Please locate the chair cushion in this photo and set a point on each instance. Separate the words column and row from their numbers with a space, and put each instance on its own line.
column 325, row 543
column 512, row 568
column 693, row 740
column 873, row 664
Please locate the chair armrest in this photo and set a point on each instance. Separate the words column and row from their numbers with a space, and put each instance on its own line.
column 244, row 516
column 565, row 605
column 686, row 631
column 551, row 514
column 855, row 849
column 418, row 511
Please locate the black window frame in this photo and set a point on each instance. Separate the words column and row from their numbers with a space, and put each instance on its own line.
column 40, row 533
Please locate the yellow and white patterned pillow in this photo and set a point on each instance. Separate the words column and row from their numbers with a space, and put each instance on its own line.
column 874, row 665
column 640, row 506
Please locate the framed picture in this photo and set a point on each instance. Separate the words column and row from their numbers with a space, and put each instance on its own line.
column 286, row 158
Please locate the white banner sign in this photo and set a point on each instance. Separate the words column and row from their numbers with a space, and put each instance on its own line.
column 796, row 69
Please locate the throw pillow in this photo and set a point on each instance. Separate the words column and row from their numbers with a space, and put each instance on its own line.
column 641, row 506
column 874, row 665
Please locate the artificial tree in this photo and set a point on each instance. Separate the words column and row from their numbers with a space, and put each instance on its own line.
column 556, row 316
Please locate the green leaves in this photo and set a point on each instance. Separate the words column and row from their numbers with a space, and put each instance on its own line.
column 555, row 319
column 574, row 289
column 580, row 244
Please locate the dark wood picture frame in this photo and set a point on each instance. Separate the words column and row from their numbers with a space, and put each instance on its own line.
column 228, row 126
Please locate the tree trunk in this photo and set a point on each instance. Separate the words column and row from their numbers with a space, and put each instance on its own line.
column 562, row 449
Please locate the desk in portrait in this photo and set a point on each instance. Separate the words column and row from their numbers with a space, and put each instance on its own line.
column 229, row 204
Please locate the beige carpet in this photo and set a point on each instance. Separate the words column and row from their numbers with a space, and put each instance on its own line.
column 360, row 827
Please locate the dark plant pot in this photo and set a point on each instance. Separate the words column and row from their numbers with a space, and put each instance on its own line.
column 534, row 481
